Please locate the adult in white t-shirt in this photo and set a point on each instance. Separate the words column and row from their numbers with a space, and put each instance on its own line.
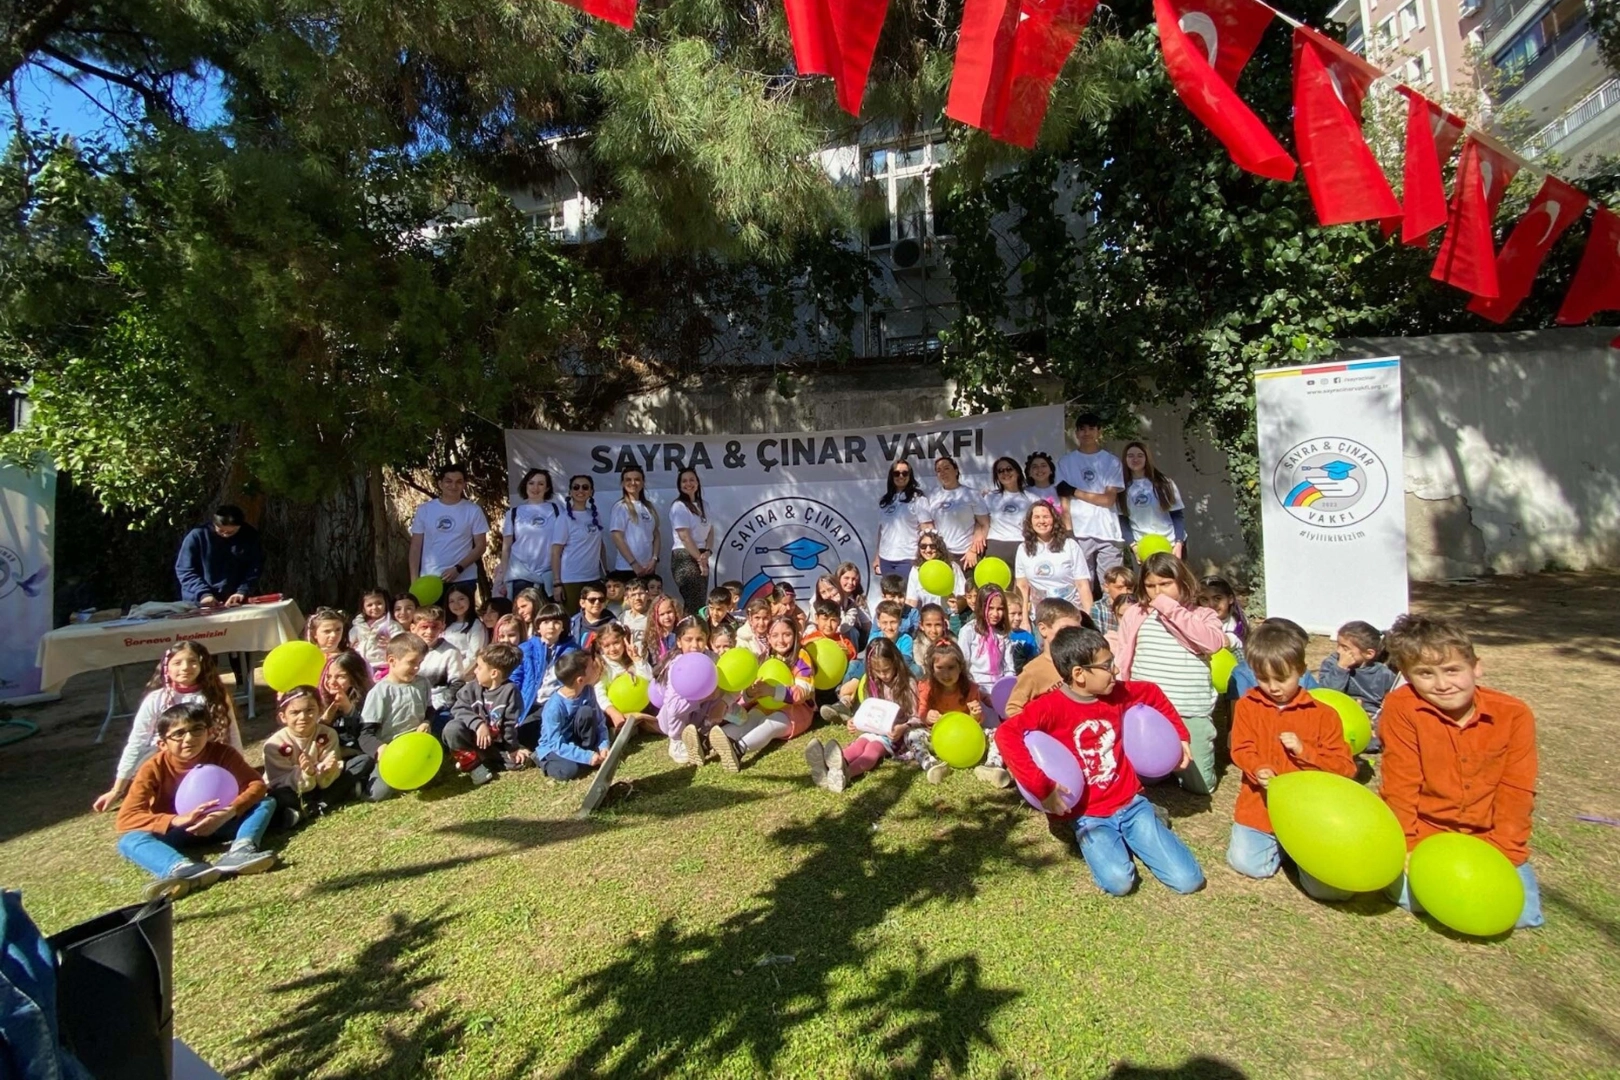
column 633, row 528
column 905, row 512
column 959, row 513
column 1008, row 502
column 1152, row 502
column 526, row 536
column 578, row 543
column 449, row 534
column 692, row 553
column 1052, row 564
column 1091, row 479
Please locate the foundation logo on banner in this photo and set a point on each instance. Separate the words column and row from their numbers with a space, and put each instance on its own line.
column 1331, row 483
column 789, row 541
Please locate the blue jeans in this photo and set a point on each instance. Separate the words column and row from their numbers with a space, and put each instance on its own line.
column 896, row 566
column 1107, row 844
column 158, row 855
column 560, row 768
column 1529, row 918
column 1256, row 854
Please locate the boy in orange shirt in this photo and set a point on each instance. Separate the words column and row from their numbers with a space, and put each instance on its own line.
column 1279, row 728
column 1458, row 757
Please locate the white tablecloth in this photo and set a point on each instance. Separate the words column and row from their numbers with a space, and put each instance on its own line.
column 81, row 647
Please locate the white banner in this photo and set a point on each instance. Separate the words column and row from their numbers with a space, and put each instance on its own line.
column 1332, row 493
column 786, row 507
column 27, row 539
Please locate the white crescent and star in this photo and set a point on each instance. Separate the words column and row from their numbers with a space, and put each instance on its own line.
column 1198, row 24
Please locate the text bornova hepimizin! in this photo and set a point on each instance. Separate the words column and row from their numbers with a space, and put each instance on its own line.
column 772, row 453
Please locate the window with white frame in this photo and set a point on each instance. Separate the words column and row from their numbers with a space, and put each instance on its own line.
column 904, row 181
column 1419, row 70
column 1386, row 33
column 549, row 220
column 1411, row 19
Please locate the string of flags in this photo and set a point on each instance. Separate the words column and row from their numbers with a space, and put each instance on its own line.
column 1010, row 53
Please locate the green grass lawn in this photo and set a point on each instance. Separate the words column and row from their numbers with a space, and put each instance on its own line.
column 709, row 924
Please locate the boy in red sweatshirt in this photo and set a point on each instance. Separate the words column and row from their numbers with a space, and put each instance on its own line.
column 152, row 831
column 1279, row 728
column 1112, row 820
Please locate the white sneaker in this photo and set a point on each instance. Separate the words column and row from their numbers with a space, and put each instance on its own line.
column 995, row 777
column 836, row 776
column 692, row 739
column 677, row 754
column 938, row 772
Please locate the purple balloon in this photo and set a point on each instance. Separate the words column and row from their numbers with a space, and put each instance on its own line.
column 205, row 783
column 1151, row 742
column 1000, row 692
column 655, row 694
column 694, row 676
column 1059, row 764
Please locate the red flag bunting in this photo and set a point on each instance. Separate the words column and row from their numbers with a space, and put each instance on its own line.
column 618, row 12
column 1432, row 134
column 1330, row 83
column 1467, row 257
column 1008, row 55
column 1555, row 208
column 837, row 38
column 1597, row 282
column 1206, row 44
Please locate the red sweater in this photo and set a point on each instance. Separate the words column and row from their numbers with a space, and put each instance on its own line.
column 1095, row 730
column 1257, row 721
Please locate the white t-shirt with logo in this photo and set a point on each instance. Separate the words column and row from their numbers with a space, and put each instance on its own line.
column 638, row 525
column 700, row 528
column 1053, row 573
column 529, row 525
column 1147, row 518
column 1007, row 510
column 901, row 520
column 447, row 533
column 953, row 511
column 1094, row 473
column 582, row 538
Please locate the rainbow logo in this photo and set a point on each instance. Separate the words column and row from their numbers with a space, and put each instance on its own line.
column 1304, row 494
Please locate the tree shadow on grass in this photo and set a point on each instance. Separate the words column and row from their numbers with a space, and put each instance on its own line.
column 685, row 998
column 1194, row 1068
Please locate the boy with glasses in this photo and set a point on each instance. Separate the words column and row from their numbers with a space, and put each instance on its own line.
column 593, row 613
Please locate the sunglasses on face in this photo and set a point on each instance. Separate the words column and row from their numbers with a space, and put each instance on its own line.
column 579, row 487
column 901, row 474
column 1006, row 470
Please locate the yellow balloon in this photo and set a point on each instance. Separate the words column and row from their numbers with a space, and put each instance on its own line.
column 1221, row 666
column 958, row 740
column 738, row 669
column 1336, row 830
column 629, row 694
column 992, row 571
column 1466, row 883
column 293, row 663
column 1152, row 544
column 410, row 760
column 1357, row 725
column 427, row 589
column 775, row 673
column 860, row 690
column 830, row 660
column 936, row 576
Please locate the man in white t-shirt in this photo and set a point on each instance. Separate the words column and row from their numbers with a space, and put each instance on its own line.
column 1091, row 479
column 449, row 534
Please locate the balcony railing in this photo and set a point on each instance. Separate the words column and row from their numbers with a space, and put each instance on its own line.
column 1577, row 116
column 1568, row 39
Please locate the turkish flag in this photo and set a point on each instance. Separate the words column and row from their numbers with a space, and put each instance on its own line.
column 618, row 12
column 1597, row 283
column 1467, row 257
column 837, row 38
column 1432, row 134
column 1555, row 208
column 1206, row 43
column 1008, row 55
column 1344, row 178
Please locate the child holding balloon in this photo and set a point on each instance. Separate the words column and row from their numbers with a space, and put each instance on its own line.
column 303, row 762
column 887, row 679
column 1278, row 727
column 612, row 648
column 946, row 688
column 154, row 828
column 775, row 710
column 690, row 706
column 1114, row 823
column 399, row 703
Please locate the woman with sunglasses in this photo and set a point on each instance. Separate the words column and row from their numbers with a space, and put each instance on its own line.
column 1007, row 502
column 930, row 546
column 578, row 542
column 905, row 513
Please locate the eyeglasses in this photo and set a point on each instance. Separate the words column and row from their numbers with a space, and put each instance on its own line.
column 1110, row 666
column 579, row 487
column 927, row 547
column 900, row 474
column 594, row 599
column 179, row 736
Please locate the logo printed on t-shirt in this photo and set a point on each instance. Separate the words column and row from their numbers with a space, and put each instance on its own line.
column 1089, row 475
column 445, row 524
column 1140, row 498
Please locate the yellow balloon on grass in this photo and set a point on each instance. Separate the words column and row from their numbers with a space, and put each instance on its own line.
column 1221, row 665
column 737, row 669
column 830, row 661
column 293, row 663
column 427, row 589
column 958, row 740
column 992, row 571
column 1466, row 883
column 936, row 576
column 1152, row 544
column 1336, row 830
column 629, row 694
column 410, row 760
column 1357, row 725
column 774, row 673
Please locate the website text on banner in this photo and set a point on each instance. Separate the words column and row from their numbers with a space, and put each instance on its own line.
column 787, row 507
column 1332, row 492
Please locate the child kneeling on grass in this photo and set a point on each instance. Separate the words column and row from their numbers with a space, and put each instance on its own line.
column 482, row 735
column 152, row 832
column 1277, row 727
column 1112, row 820
column 573, row 731
column 303, row 762
column 1458, row 756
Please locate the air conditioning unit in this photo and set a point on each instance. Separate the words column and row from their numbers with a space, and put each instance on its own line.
column 912, row 253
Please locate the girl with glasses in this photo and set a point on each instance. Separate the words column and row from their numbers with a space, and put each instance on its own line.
column 930, row 546
column 1007, row 504
column 905, row 512
column 578, row 543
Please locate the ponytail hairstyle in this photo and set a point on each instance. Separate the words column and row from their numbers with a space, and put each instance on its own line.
column 898, row 690
column 694, row 502
column 1164, row 564
column 613, row 631
column 1163, row 489
column 624, row 496
column 221, row 708
column 979, row 621
column 350, row 664
column 596, row 519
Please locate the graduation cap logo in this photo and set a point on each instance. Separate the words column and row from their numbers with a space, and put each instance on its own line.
column 787, row 542
column 1331, row 483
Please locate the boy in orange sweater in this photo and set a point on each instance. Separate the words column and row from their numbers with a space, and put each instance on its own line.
column 152, row 831
column 1279, row 728
column 1458, row 757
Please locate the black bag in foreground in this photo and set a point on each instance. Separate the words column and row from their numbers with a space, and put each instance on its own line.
column 114, row 993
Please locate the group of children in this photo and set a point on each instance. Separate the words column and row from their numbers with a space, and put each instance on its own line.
column 525, row 684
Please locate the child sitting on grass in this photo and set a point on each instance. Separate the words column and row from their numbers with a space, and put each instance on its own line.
column 345, row 682
column 758, row 726
column 1040, row 675
column 932, row 628
column 1356, row 668
column 399, row 703
column 614, row 658
column 757, row 620
column 536, row 675
column 887, row 679
column 1112, row 820
column 1458, row 756
column 829, row 624
column 327, row 629
column 1279, row 728
column 373, row 628
column 946, row 689
column 153, row 833
column 573, row 731
column 442, row 665
column 892, row 587
column 303, row 762
column 405, row 608
column 687, row 723
column 482, row 733
column 986, row 640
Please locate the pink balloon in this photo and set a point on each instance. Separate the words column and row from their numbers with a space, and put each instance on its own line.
column 655, row 694
column 1059, row 764
column 1151, row 742
column 205, row 783
column 1000, row 692
column 694, row 676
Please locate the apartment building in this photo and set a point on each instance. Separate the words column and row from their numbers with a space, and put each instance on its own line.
column 1420, row 40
